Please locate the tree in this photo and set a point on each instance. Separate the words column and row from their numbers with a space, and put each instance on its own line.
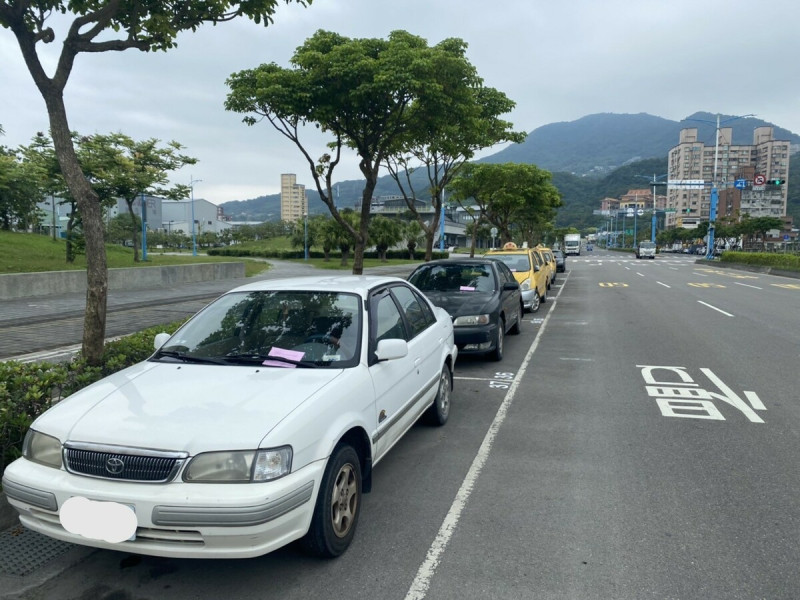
column 412, row 236
column 510, row 196
column 20, row 190
column 102, row 27
column 384, row 233
column 121, row 167
column 358, row 91
column 454, row 117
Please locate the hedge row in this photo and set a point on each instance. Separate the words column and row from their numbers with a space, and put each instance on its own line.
column 786, row 262
column 28, row 389
column 283, row 254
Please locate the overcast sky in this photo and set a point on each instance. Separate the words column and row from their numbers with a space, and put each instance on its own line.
column 559, row 60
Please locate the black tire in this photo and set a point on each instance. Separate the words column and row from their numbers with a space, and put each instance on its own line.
column 536, row 302
column 338, row 505
column 544, row 296
column 439, row 411
column 516, row 328
column 497, row 353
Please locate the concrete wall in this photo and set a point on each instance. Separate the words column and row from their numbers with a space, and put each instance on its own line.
column 49, row 283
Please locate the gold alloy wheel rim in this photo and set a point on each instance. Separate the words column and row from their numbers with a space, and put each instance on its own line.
column 344, row 501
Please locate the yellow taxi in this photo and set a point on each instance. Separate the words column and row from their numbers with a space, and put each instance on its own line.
column 530, row 271
column 550, row 259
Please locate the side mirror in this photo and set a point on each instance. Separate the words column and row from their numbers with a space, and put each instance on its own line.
column 160, row 340
column 391, row 349
column 511, row 285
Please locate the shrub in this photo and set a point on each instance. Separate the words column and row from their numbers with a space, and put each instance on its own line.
column 28, row 389
column 785, row 262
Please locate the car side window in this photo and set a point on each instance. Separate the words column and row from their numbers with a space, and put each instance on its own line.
column 505, row 273
column 388, row 320
column 418, row 314
column 537, row 258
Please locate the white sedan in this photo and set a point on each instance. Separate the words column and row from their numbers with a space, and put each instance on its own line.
column 257, row 423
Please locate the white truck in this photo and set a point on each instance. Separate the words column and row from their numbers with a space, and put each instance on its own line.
column 572, row 243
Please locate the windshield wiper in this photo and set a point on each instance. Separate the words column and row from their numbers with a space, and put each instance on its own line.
column 259, row 359
column 182, row 356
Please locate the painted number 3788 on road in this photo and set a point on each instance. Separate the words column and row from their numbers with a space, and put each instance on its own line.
column 255, row 424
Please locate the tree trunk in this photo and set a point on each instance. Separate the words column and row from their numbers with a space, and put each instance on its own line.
column 94, row 325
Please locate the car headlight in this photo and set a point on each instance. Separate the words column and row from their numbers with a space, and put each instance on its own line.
column 471, row 320
column 239, row 466
column 41, row 448
column 525, row 285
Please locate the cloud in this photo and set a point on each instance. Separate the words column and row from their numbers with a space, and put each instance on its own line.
column 559, row 61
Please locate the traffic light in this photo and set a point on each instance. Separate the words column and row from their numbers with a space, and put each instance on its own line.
column 688, row 210
column 776, row 181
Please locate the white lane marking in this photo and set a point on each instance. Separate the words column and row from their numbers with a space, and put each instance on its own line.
column 664, row 284
column 628, row 268
column 755, row 401
column 639, row 274
column 715, row 308
column 674, row 268
column 422, row 580
column 755, row 287
column 578, row 359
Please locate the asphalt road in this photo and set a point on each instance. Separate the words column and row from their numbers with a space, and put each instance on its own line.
column 638, row 440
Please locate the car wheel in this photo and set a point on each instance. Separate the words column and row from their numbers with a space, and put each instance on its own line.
column 497, row 353
column 338, row 505
column 535, row 303
column 440, row 410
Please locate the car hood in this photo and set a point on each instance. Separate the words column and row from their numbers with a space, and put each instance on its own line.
column 463, row 303
column 191, row 408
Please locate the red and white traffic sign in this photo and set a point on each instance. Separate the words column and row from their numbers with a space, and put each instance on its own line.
column 760, row 179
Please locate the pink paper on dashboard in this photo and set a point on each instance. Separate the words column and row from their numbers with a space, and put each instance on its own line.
column 466, row 288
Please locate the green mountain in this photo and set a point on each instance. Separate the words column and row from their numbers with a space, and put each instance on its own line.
column 596, row 156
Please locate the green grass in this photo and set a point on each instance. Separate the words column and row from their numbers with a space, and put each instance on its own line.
column 30, row 253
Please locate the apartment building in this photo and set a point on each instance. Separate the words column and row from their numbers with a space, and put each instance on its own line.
column 693, row 167
column 294, row 204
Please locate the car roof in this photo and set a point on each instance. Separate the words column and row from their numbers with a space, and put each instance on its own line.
column 457, row 261
column 358, row 284
column 509, row 251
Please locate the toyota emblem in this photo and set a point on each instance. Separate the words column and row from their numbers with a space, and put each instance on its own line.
column 114, row 465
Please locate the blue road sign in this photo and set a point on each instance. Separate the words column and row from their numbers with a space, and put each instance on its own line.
column 740, row 184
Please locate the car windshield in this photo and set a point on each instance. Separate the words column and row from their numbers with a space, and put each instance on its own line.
column 647, row 245
column 518, row 263
column 271, row 328
column 454, row 278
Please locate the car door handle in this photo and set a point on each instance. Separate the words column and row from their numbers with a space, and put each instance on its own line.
column 417, row 362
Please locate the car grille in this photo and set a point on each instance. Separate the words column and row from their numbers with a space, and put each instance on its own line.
column 125, row 464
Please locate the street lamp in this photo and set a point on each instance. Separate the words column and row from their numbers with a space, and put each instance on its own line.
column 441, row 225
column 194, row 237
column 655, row 183
column 305, row 235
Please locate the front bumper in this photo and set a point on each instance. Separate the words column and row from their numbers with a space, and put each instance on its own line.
column 177, row 519
column 476, row 339
column 527, row 298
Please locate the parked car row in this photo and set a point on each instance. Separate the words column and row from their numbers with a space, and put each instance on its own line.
column 487, row 297
column 259, row 421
